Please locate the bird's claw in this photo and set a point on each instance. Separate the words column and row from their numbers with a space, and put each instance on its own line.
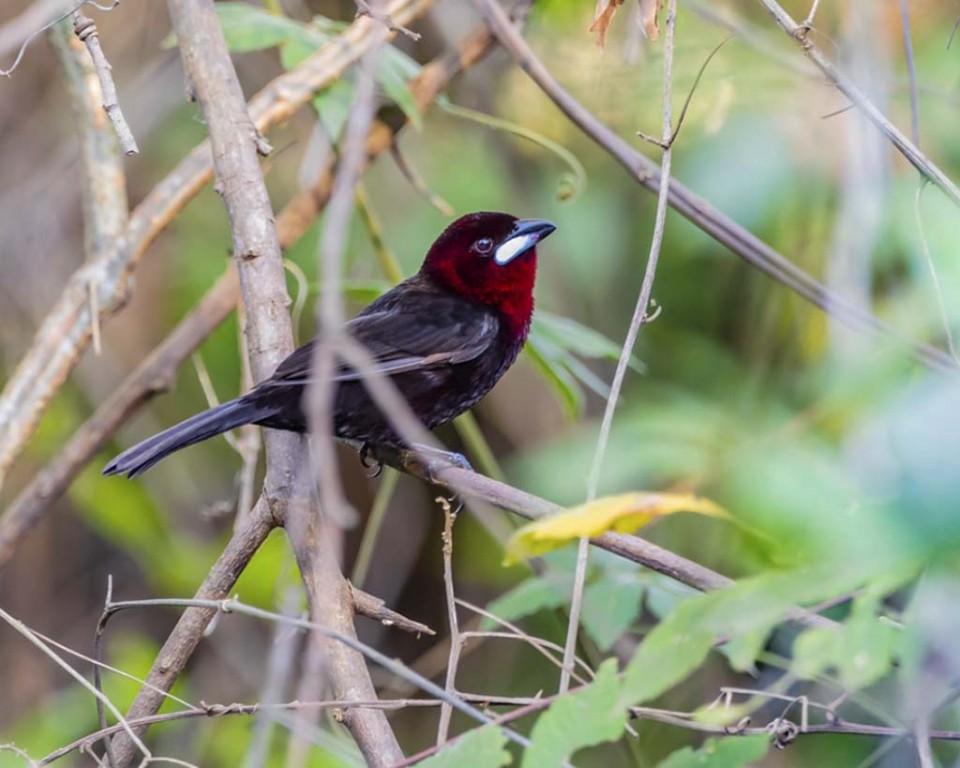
column 368, row 461
column 455, row 500
column 432, row 461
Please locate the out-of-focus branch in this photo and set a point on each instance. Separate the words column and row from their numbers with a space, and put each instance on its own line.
column 292, row 222
column 801, row 34
column 640, row 317
column 186, row 635
column 697, row 210
column 17, row 33
column 86, row 32
column 67, row 330
column 321, row 395
column 331, row 606
column 104, row 189
column 154, row 374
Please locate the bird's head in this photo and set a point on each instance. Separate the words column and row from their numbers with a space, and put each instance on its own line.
column 491, row 259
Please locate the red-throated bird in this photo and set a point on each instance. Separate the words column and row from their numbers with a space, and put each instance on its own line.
column 445, row 336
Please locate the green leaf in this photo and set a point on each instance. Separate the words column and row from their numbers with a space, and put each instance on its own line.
column 564, row 386
column 333, row 105
column 534, row 594
column 480, row 748
column 666, row 656
column 572, row 182
column 588, row 716
column 610, row 607
column 861, row 651
column 394, row 72
column 554, row 346
column 580, row 339
column 731, row 752
column 742, row 650
column 680, row 643
column 250, row 28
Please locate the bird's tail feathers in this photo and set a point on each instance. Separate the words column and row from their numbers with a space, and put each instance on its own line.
column 215, row 421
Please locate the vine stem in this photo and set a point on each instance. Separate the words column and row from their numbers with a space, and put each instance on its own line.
column 636, row 323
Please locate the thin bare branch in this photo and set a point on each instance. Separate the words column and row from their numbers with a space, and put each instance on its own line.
column 911, row 73
column 395, row 666
column 450, row 684
column 330, row 310
column 186, row 635
column 698, row 211
column 67, row 330
column 640, row 316
column 374, row 608
column 25, row 632
column 801, row 34
column 86, row 32
column 476, row 487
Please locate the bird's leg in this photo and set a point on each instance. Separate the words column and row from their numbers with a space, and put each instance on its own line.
column 418, row 459
column 369, row 461
column 433, row 460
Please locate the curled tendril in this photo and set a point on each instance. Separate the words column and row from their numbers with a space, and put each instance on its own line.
column 572, row 182
column 23, row 46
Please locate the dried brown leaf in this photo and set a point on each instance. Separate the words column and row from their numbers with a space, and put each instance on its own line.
column 649, row 9
column 602, row 18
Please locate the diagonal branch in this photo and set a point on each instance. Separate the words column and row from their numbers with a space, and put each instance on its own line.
column 477, row 487
column 801, row 34
column 66, row 332
column 697, row 210
column 154, row 375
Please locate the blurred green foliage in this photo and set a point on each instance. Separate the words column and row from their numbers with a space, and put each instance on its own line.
column 838, row 455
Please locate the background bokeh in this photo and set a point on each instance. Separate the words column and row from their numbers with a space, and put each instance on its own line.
column 835, row 446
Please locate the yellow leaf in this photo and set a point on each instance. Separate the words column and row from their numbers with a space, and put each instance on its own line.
column 623, row 514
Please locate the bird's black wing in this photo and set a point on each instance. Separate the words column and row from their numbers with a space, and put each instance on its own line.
column 416, row 331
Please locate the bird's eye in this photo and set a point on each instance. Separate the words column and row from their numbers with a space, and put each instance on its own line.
column 484, row 246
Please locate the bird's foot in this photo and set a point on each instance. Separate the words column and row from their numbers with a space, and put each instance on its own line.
column 369, row 461
column 430, row 461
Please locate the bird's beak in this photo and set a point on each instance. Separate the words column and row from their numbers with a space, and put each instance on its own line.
column 525, row 234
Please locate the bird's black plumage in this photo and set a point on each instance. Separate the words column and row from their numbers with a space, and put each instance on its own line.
column 442, row 343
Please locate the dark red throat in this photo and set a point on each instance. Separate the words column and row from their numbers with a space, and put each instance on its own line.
column 460, row 261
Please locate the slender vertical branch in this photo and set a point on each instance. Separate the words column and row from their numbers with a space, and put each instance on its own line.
column 330, row 310
column 105, row 189
column 911, row 73
column 446, row 710
column 636, row 323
